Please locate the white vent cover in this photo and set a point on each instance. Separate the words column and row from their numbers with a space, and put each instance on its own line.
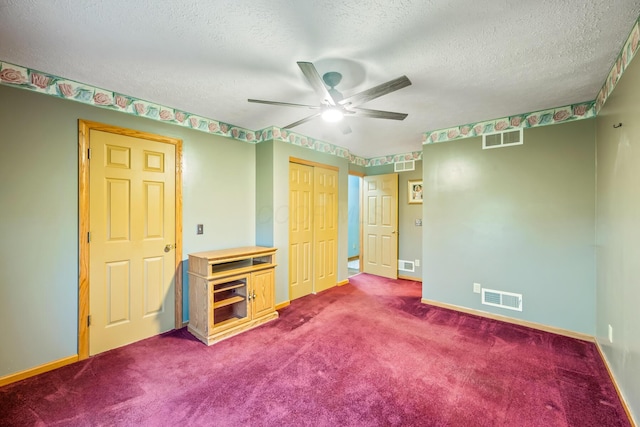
column 407, row 165
column 502, row 139
column 502, row 299
column 406, row 265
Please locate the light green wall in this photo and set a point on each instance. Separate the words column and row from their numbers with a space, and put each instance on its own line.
column 517, row 219
column 618, row 234
column 274, row 156
column 219, row 192
column 264, row 194
column 39, row 215
column 357, row 169
column 38, row 222
column 410, row 235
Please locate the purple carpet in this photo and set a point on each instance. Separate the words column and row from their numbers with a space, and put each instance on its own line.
column 365, row 354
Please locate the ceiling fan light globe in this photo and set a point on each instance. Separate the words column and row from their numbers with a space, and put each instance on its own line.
column 332, row 115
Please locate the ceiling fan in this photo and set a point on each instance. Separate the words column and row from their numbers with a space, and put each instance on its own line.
column 333, row 106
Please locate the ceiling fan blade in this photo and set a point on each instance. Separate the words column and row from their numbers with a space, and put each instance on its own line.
column 375, row 92
column 378, row 114
column 285, row 104
column 316, row 82
column 301, row 121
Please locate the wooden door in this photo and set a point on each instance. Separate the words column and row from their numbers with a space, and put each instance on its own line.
column 132, row 239
column 325, row 225
column 300, row 230
column 263, row 299
column 380, row 242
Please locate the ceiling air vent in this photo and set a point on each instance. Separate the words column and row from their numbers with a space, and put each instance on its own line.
column 502, row 299
column 407, row 165
column 502, row 139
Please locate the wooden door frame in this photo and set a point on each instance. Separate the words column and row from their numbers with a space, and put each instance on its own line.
column 84, row 128
column 313, row 164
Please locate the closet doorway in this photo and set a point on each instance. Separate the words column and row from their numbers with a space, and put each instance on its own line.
column 313, row 227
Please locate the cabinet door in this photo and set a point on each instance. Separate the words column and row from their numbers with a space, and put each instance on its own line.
column 263, row 300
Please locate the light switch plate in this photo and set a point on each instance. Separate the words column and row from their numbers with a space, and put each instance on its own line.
column 200, row 229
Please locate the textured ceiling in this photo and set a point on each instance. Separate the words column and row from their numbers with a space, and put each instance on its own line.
column 468, row 60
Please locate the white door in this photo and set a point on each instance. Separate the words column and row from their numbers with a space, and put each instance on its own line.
column 132, row 239
column 380, row 241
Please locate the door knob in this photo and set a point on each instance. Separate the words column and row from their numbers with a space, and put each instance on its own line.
column 167, row 248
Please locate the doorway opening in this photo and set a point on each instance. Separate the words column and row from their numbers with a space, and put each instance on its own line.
column 354, row 195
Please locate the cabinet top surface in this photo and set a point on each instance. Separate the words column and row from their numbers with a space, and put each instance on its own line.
column 245, row 251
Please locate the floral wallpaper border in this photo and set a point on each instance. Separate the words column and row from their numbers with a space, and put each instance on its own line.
column 552, row 116
column 386, row 160
column 285, row 135
column 25, row 78
column 37, row 81
column 629, row 50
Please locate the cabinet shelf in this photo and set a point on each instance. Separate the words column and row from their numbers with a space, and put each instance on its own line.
column 227, row 301
column 223, row 263
column 229, row 286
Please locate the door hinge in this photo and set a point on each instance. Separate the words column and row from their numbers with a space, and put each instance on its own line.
column 89, row 320
column 88, row 237
column 89, row 154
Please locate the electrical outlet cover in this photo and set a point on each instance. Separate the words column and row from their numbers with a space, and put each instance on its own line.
column 477, row 288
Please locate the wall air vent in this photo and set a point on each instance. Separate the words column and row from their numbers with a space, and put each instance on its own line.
column 406, row 265
column 407, row 165
column 502, row 139
column 502, row 299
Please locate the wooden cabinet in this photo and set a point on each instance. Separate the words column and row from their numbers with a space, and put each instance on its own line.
column 230, row 291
